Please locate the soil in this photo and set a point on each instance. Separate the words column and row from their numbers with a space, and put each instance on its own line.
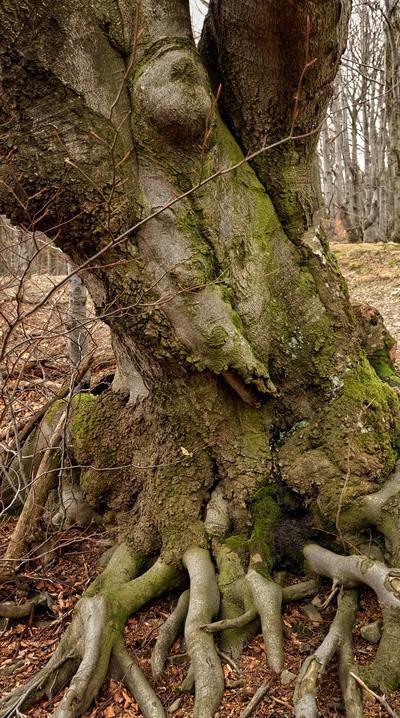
column 373, row 276
column 36, row 365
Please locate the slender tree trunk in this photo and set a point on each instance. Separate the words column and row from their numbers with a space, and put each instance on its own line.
column 77, row 322
column 393, row 109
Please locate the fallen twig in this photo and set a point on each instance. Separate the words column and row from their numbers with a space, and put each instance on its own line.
column 257, row 698
column 13, row 610
column 381, row 699
column 228, row 660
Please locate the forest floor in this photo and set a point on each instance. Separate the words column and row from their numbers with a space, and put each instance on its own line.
column 66, row 566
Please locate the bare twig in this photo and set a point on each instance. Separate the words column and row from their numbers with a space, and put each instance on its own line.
column 257, row 698
column 381, row 699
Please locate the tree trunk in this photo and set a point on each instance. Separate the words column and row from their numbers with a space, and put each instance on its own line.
column 233, row 333
column 392, row 30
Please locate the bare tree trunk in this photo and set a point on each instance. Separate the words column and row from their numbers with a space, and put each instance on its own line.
column 77, row 322
column 392, row 30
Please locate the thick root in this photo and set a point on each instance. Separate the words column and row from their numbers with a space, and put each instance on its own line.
column 98, row 636
column 350, row 689
column 129, row 673
column 169, row 632
column 84, row 653
column 267, row 599
column 203, row 606
column 313, row 667
column 381, row 509
column 47, row 682
column 351, row 571
column 296, row 592
column 236, row 601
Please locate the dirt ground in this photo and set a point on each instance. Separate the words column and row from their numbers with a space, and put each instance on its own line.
column 36, row 363
column 373, row 276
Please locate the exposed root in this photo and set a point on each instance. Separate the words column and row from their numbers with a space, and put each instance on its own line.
column 203, row 605
column 168, row 634
column 84, row 652
column 187, row 684
column 313, row 667
column 13, row 610
column 350, row 691
column 236, row 600
column 98, row 637
column 129, row 673
column 301, row 590
column 50, row 679
column 267, row 599
column 296, row 592
column 237, row 622
column 351, row 571
column 383, row 510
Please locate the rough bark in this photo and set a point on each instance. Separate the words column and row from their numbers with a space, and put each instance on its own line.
column 277, row 76
column 235, row 341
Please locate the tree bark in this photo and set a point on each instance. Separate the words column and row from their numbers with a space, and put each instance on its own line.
column 233, row 332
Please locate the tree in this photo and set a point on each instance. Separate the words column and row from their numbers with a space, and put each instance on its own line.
column 392, row 47
column 255, row 422
column 354, row 146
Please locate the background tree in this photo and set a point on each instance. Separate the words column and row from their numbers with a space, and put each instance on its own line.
column 245, row 416
column 355, row 141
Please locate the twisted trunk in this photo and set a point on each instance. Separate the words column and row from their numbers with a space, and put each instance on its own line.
column 241, row 383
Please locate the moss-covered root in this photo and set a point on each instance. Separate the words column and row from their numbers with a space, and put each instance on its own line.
column 97, row 632
column 350, row 688
column 82, row 656
column 169, row 632
column 203, row 606
column 383, row 510
column 48, row 681
column 267, row 599
column 339, row 636
column 84, row 653
column 350, row 571
column 295, row 592
column 236, row 601
column 134, row 679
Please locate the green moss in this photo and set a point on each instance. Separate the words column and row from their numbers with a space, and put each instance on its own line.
column 55, row 409
column 384, row 365
column 237, row 543
column 217, row 337
column 83, row 421
column 265, row 512
column 353, row 439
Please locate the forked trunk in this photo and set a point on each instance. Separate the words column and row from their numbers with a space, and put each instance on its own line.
column 244, row 403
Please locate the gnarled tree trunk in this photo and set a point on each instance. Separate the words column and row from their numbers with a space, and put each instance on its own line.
column 243, row 399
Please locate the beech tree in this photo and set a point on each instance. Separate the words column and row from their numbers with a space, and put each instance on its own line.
column 251, row 423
